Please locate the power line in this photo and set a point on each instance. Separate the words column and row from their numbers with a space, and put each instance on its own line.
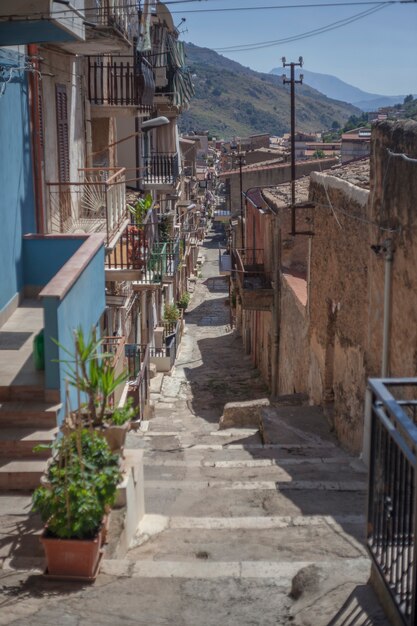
column 94, row 10
column 310, row 33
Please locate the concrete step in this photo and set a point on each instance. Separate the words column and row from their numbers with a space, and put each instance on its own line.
column 28, row 414
column 22, row 392
column 314, row 538
column 259, row 471
column 21, row 475
column 20, row 442
column 254, row 499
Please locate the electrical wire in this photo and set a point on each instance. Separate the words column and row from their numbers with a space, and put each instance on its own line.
column 313, row 5
column 310, row 33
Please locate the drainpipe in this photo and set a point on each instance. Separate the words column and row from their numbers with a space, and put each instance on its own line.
column 389, row 256
column 36, row 139
column 276, row 311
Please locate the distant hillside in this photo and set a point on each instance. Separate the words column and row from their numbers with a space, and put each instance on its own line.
column 333, row 87
column 232, row 100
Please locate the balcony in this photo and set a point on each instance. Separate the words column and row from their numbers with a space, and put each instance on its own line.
column 138, row 360
column 96, row 204
column 111, row 26
column 160, row 172
column 115, row 346
column 254, row 284
column 120, row 85
column 27, row 21
column 130, row 256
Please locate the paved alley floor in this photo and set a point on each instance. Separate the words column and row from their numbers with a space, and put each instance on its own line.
column 236, row 533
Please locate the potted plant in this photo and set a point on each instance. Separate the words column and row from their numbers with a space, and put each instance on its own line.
column 171, row 313
column 184, row 301
column 138, row 212
column 91, row 372
column 80, row 487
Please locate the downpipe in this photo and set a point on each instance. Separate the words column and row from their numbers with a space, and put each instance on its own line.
column 386, row 335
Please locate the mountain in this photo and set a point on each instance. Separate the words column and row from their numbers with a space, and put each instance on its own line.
column 333, row 87
column 233, row 100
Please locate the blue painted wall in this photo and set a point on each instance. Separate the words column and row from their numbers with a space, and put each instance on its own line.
column 43, row 258
column 17, row 203
column 82, row 306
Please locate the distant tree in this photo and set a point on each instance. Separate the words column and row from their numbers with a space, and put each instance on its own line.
column 319, row 154
column 335, row 125
column 408, row 99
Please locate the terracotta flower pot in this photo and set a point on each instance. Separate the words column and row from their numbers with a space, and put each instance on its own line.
column 72, row 558
column 116, row 436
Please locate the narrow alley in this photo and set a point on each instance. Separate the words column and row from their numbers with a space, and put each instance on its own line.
column 236, row 532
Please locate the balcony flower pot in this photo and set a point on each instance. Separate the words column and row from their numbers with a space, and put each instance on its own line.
column 75, row 559
column 79, row 490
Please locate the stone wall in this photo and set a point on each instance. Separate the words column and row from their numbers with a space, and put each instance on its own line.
column 338, row 303
column 265, row 176
column 294, row 348
column 394, row 193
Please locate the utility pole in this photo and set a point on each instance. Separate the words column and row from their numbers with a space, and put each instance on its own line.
column 291, row 81
column 241, row 161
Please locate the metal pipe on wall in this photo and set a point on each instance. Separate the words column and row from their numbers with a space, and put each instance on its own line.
column 386, row 335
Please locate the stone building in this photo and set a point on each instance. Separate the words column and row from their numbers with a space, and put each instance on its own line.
column 339, row 302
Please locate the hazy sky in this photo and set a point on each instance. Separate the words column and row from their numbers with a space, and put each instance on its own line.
column 377, row 53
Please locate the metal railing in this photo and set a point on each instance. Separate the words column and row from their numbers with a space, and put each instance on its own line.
column 161, row 169
column 115, row 13
column 96, row 203
column 133, row 249
column 248, row 269
column 138, row 358
column 116, row 347
column 392, row 502
column 120, row 81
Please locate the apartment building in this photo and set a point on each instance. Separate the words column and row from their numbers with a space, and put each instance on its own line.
column 99, row 219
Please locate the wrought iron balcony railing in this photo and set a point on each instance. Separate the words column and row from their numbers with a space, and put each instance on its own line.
column 118, row 14
column 96, row 203
column 120, row 81
column 138, row 359
column 134, row 248
column 391, row 449
column 161, row 169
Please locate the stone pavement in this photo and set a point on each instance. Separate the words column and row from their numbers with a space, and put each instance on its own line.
column 237, row 533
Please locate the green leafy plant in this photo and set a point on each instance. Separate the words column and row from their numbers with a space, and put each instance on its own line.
column 81, row 485
column 184, row 300
column 171, row 313
column 140, row 209
column 123, row 414
column 91, row 371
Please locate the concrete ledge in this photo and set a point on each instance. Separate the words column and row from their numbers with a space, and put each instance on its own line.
column 131, row 501
column 242, row 414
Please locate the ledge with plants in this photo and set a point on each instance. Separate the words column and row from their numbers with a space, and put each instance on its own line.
column 73, row 502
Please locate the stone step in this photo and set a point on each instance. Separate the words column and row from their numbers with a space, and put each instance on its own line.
column 21, row 475
column 258, row 471
column 309, row 498
column 22, row 392
column 20, row 442
column 28, row 413
column 276, row 572
column 310, row 539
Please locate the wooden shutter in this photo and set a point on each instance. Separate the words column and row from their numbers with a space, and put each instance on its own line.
column 62, row 132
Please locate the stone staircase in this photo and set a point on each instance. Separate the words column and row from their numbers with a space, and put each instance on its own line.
column 245, row 521
column 26, row 421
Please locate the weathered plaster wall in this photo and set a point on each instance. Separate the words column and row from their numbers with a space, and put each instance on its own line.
column 294, row 348
column 338, row 306
column 17, row 212
column 269, row 175
column 394, row 193
column 66, row 70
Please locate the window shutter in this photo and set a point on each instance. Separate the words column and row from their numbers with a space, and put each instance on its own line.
column 62, row 132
